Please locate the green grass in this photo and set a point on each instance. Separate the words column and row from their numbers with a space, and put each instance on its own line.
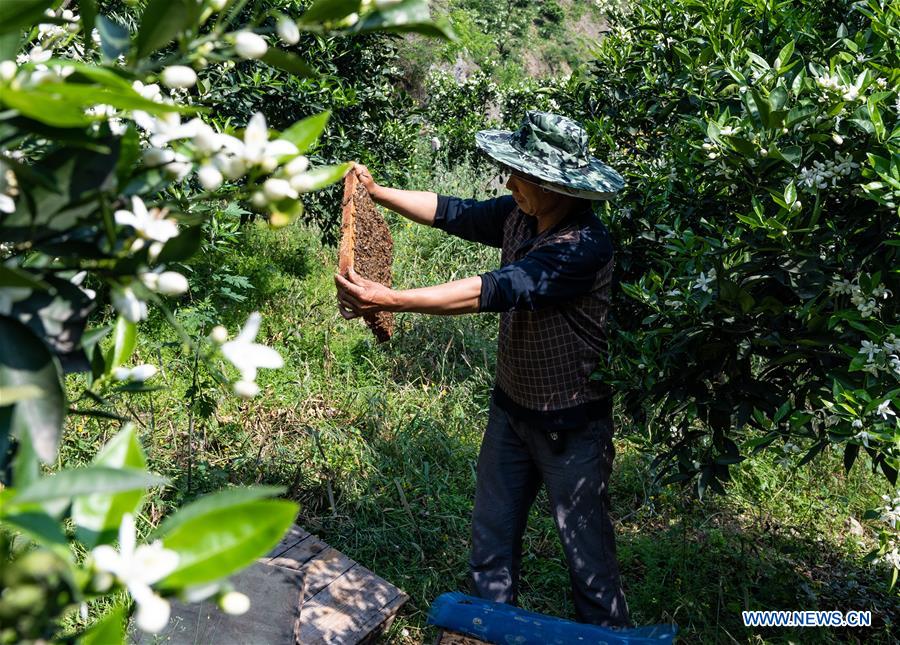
column 378, row 444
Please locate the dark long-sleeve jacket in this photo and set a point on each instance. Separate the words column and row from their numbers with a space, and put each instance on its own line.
column 552, row 292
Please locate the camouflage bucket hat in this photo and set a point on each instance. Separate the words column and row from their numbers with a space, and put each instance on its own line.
column 553, row 151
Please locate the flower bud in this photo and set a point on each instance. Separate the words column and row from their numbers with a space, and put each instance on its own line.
column 288, row 31
column 171, row 283
column 157, row 156
column 838, row 139
column 143, row 372
column 250, row 45
column 219, row 334
column 297, row 165
column 302, row 183
column 209, row 177
column 179, row 76
column 121, row 373
column 277, row 189
column 8, row 70
column 233, row 167
column 234, row 603
column 258, row 199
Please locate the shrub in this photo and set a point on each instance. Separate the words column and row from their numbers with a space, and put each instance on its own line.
column 758, row 231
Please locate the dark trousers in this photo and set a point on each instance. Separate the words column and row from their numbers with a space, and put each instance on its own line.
column 514, row 459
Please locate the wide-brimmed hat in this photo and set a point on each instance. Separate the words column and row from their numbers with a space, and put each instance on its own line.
column 552, row 150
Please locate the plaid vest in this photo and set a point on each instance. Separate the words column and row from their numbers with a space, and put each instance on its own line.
column 545, row 358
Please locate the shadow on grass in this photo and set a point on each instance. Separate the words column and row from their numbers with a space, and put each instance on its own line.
column 443, row 350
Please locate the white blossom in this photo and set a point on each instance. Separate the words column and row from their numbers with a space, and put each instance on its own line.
column 166, row 128
column 150, row 225
column 705, row 280
column 890, row 512
column 884, row 410
column 870, row 349
column 892, row 344
column 128, row 304
column 247, row 356
column 150, row 92
column 258, row 150
column 138, row 567
column 250, row 45
column 246, row 389
column 892, row 557
column 840, row 287
column 881, row 292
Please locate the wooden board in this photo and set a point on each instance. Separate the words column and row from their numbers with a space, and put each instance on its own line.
column 367, row 246
column 303, row 591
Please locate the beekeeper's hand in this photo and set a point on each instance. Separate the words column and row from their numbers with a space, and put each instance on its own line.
column 358, row 296
column 365, row 178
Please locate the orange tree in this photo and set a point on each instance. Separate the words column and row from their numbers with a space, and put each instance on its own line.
column 758, row 232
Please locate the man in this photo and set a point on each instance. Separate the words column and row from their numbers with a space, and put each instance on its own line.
column 549, row 421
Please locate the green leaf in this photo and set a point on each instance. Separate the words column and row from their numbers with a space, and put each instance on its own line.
column 124, row 339
column 41, row 528
column 15, row 14
column 161, row 21
column 290, row 63
column 778, row 98
column 305, row 133
column 14, row 277
column 877, row 122
column 761, row 105
column 115, row 39
column 408, row 15
column 326, row 10
column 27, row 466
column 42, row 106
column 109, row 630
column 214, row 502
column 97, row 517
column 88, row 11
column 790, row 193
column 323, row 176
column 86, row 481
column 181, row 247
column 798, row 115
column 213, row 545
column 784, row 55
column 26, row 361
